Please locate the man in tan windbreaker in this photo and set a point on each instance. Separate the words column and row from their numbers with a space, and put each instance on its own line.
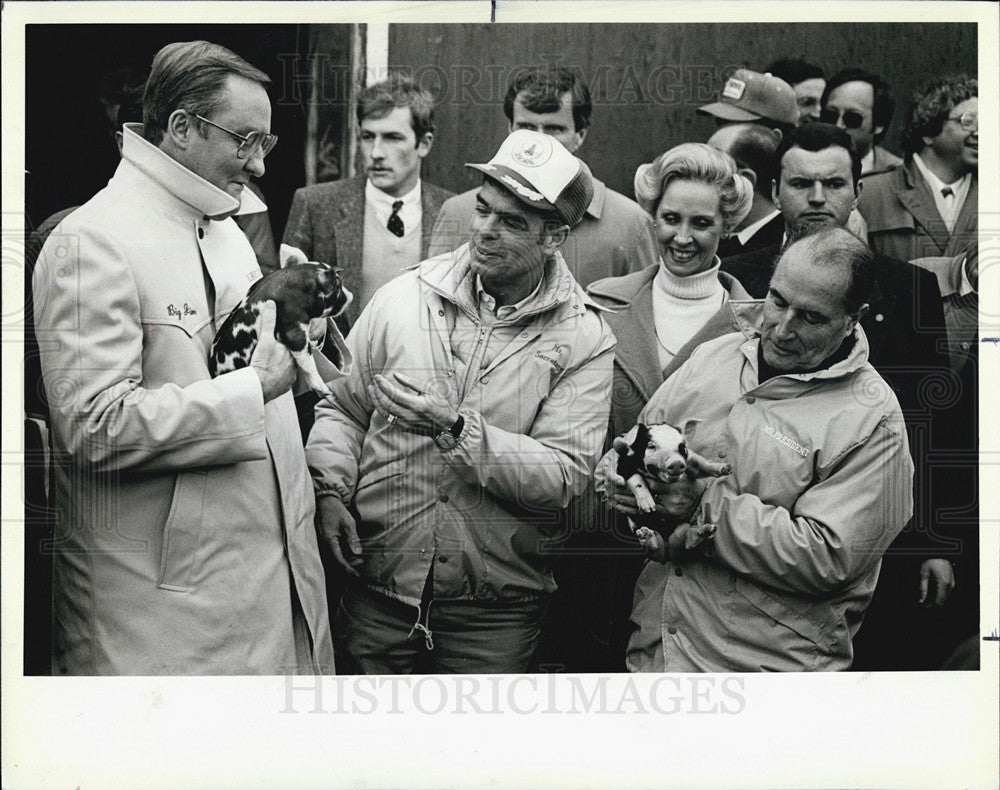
column 476, row 410
column 821, row 481
column 186, row 540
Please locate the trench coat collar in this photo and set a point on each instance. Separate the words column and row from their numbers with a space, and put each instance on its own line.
column 187, row 186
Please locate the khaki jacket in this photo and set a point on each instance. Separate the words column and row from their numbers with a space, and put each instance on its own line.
column 483, row 514
column 821, row 484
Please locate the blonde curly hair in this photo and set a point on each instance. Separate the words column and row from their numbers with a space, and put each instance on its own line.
column 704, row 164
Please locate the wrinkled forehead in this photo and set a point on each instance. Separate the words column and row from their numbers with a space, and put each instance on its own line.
column 807, row 283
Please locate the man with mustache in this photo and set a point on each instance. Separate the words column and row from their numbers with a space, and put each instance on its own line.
column 376, row 225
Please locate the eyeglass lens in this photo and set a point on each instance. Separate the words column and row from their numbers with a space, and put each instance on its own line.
column 254, row 142
column 969, row 121
column 852, row 119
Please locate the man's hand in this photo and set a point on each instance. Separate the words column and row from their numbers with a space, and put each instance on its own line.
column 943, row 575
column 271, row 360
column 411, row 408
column 336, row 526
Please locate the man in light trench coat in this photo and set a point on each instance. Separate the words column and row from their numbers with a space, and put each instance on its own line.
column 185, row 541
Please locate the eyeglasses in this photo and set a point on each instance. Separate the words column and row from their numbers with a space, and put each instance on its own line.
column 852, row 118
column 969, row 121
column 251, row 143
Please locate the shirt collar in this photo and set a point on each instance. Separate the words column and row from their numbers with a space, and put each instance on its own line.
column 385, row 200
column 935, row 183
column 748, row 232
column 184, row 184
column 452, row 278
column 748, row 315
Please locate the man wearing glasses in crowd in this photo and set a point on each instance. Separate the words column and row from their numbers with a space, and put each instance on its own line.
column 185, row 542
column 862, row 103
column 926, row 212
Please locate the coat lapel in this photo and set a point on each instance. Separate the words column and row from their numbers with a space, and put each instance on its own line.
column 964, row 234
column 348, row 228
column 431, row 201
column 636, row 352
column 918, row 200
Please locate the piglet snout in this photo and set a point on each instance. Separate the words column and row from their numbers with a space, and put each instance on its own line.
column 676, row 467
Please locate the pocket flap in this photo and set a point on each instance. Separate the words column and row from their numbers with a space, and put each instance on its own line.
column 805, row 619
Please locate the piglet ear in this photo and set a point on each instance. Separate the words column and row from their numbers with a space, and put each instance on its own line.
column 630, row 436
column 688, row 429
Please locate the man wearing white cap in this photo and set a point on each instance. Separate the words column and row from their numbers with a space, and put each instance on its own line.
column 477, row 408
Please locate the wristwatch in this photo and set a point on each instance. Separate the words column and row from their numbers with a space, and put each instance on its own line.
column 449, row 437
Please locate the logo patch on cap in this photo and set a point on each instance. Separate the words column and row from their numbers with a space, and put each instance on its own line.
column 533, row 153
column 521, row 189
column 734, row 89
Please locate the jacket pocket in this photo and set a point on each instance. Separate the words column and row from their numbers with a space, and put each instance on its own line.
column 808, row 621
column 182, row 531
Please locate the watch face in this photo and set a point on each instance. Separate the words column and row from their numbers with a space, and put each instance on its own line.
column 446, row 440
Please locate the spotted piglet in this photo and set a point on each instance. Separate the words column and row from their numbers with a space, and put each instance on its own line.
column 659, row 452
column 301, row 292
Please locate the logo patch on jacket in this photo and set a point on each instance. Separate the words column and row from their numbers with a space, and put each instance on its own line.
column 555, row 355
column 779, row 437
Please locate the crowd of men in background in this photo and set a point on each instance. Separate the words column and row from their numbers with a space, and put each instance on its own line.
column 448, row 474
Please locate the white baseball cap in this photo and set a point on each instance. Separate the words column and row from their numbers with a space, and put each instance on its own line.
column 537, row 170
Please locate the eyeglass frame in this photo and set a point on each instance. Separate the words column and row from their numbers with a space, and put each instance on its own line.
column 842, row 114
column 966, row 124
column 265, row 146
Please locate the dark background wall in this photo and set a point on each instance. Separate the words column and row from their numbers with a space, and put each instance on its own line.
column 647, row 80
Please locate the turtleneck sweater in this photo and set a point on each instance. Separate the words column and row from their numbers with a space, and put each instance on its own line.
column 682, row 306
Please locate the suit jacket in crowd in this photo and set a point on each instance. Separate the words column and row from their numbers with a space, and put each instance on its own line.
column 904, row 223
column 327, row 223
column 767, row 236
column 883, row 162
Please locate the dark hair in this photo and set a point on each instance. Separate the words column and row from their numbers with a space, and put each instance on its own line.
column 543, row 89
column 189, row 75
column 398, row 90
column 794, row 70
column 932, row 106
column 754, row 148
column 817, row 137
column 834, row 245
column 882, row 105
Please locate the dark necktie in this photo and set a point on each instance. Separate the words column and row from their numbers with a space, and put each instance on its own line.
column 947, row 192
column 395, row 224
